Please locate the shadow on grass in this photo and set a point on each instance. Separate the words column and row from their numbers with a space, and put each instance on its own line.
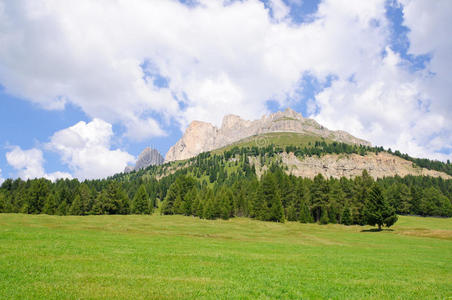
column 376, row 230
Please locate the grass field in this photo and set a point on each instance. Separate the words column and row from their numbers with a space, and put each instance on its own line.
column 134, row 257
column 281, row 139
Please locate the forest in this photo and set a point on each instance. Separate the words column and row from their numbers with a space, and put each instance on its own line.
column 225, row 185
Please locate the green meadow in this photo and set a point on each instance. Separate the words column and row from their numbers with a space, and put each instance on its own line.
column 166, row 257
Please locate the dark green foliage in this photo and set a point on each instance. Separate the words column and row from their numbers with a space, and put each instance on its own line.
column 319, row 196
column 324, row 219
column 112, row 200
column 226, row 185
column 434, row 203
column 76, row 208
column 140, row 202
column 175, row 197
column 346, row 217
column 51, row 205
column 377, row 210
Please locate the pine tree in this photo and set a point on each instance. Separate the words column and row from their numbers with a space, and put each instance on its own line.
column 188, row 202
column 178, row 205
column 99, row 204
column 37, row 195
column 276, row 209
column 50, row 206
column 140, row 202
column 268, row 188
column 209, row 209
column 62, row 208
column 377, row 210
column 319, row 196
column 305, row 213
column 346, row 217
column 324, row 218
column 416, row 200
column 85, row 198
column 76, row 208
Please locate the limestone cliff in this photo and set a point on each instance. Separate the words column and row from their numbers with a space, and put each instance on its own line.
column 149, row 157
column 351, row 165
column 201, row 136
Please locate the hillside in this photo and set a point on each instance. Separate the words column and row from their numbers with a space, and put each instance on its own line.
column 279, row 139
column 202, row 137
column 274, row 176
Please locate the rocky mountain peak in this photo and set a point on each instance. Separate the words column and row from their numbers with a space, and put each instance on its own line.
column 202, row 136
column 148, row 157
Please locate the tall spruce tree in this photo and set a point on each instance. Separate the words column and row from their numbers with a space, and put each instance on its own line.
column 319, row 196
column 76, row 208
column 140, row 202
column 377, row 210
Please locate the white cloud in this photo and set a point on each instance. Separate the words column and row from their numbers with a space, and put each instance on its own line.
column 29, row 164
column 392, row 106
column 1, row 178
column 279, row 8
column 232, row 58
column 85, row 147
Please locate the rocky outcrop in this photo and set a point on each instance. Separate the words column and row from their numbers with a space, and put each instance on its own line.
column 201, row 136
column 352, row 165
column 149, row 157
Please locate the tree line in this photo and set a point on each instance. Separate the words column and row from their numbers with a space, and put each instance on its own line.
column 226, row 185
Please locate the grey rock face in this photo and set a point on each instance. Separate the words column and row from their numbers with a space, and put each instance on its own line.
column 201, row 136
column 149, row 157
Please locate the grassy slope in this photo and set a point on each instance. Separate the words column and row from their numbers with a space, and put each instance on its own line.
column 183, row 257
column 281, row 139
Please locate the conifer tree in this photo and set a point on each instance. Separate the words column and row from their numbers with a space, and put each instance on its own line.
column 324, row 219
column 377, row 210
column 188, row 202
column 51, row 206
column 62, row 208
column 319, row 196
column 76, row 208
column 140, row 202
column 346, row 217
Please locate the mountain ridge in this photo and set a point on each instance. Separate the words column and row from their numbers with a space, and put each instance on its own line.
column 203, row 136
column 148, row 157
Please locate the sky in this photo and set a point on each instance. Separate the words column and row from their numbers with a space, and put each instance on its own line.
column 86, row 85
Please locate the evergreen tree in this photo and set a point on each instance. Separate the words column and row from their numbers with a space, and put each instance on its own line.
column 38, row 192
column 378, row 211
column 346, row 217
column 416, row 200
column 336, row 198
column 62, row 208
column 76, row 208
column 305, row 214
column 189, row 202
column 434, row 203
column 86, row 198
column 99, row 204
column 272, row 209
column 324, row 218
column 140, row 202
column 50, row 206
column 319, row 196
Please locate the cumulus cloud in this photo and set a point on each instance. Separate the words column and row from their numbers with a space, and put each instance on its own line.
column 279, row 8
column 1, row 178
column 85, row 148
column 220, row 57
column 29, row 164
column 392, row 106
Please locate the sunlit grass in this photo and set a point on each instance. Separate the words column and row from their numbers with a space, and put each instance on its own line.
column 134, row 257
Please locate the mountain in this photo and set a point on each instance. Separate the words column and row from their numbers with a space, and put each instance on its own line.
column 202, row 136
column 149, row 157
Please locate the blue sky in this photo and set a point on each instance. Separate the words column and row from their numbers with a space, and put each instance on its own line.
column 372, row 69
